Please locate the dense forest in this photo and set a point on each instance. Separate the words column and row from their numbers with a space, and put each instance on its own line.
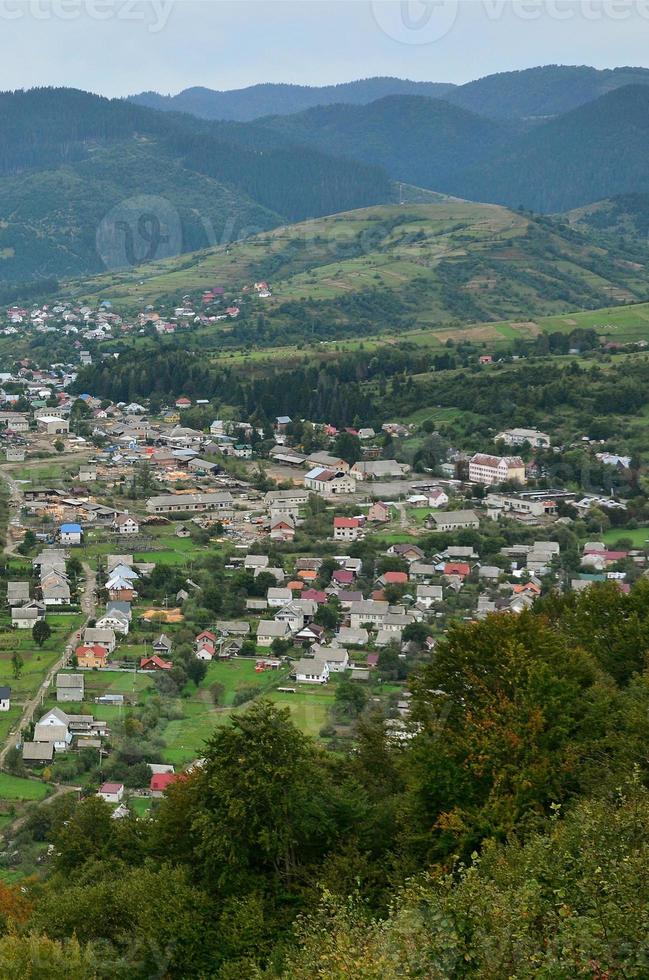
column 506, row 837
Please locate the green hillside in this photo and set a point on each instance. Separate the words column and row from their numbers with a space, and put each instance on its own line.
column 395, row 267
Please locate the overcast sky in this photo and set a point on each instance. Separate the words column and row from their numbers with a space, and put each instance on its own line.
column 127, row 46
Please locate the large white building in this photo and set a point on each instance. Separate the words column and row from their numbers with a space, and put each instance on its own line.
column 329, row 481
column 496, row 469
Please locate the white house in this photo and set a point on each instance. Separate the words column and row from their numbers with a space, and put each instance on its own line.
column 126, row 524
column 308, row 671
column 111, row 792
column 53, row 728
column 5, row 698
column 437, row 497
column 70, row 534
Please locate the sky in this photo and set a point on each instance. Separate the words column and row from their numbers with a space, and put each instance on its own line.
column 119, row 47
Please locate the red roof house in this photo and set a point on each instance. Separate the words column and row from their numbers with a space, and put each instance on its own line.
column 457, row 568
column 161, row 780
column 155, row 663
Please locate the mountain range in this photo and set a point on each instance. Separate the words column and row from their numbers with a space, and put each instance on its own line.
column 88, row 183
column 597, row 150
column 534, row 92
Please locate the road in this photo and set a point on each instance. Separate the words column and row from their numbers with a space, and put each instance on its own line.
column 88, row 608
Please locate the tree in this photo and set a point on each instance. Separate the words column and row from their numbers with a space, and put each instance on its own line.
column 348, row 447
column 17, row 664
column 59, row 445
column 41, row 631
column 327, row 615
column 259, row 799
column 350, row 698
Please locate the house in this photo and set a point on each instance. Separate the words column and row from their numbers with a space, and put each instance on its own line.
column 38, row 752
column 183, row 402
column 269, row 630
column 421, row 570
column 292, row 615
column 409, row 552
column 311, row 633
column 155, row 663
column 5, row 698
column 329, row 482
column 437, row 497
column 346, row 528
column 70, row 534
column 53, row 727
column 55, row 588
column 87, row 473
column 24, row 619
column 454, row 520
column 182, row 531
column 14, row 454
column 205, row 645
column 91, row 655
column 349, row 637
column 100, row 637
column 335, row 658
column 427, row 595
column 310, row 671
column 278, row 596
column 115, row 619
column 379, row 512
column 162, row 646
column 70, row 687
column 170, row 503
column 282, row 528
column 519, row 437
column 490, row 470
column 160, row 781
column 126, row 524
column 230, row 627
column 367, row 611
column 111, row 792
column 459, row 569
column 17, row 593
column 393, row 578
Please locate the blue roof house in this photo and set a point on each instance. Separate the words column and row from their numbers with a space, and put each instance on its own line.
column 70, row 533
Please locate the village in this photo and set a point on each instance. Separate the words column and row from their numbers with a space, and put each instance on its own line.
column 160, row 576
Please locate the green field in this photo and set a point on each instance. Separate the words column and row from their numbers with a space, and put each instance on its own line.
column 36, row 662
column 16, row 788
column 639, row 536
